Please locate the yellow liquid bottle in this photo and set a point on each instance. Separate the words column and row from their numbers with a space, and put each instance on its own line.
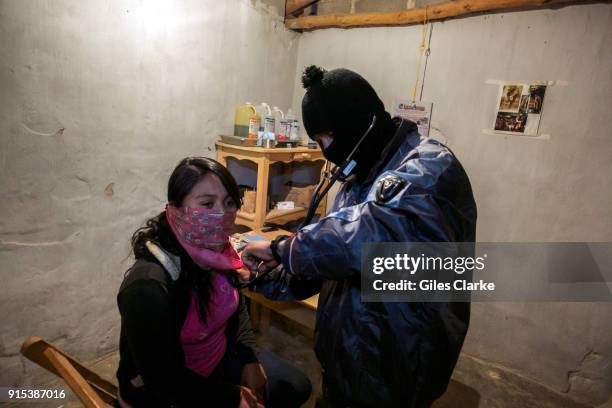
column 242, row 119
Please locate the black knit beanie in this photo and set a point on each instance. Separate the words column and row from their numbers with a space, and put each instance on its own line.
column 343, row 102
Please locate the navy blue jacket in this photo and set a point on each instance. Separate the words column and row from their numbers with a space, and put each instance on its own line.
column 382, row 354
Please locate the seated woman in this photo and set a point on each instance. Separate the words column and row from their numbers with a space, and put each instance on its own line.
column 186, row 339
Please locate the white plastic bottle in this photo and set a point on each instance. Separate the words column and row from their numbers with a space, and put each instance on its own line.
column 267, row 119
column 290, row 120
column 280, row 124
column 294, row 128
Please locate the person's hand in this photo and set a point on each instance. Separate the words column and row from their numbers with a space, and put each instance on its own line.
column 254, row 377
column 257, row 257
column 248, row 399
column 243, row 274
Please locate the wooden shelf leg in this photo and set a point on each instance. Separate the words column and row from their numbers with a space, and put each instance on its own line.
column 222, row 158
column 261, row 200
column 264, row 319
column 255, row 312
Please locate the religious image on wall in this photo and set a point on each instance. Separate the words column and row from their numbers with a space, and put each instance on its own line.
column 536, row 98
column 519, row 108
column 511, row 122
column 511, row 97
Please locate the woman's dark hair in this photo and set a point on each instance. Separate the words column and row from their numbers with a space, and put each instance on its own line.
column 182, row 180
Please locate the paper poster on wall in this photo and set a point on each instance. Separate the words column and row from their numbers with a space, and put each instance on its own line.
column 418, row 112
column 519, row 108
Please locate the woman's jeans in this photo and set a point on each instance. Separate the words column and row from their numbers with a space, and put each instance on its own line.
column 288, row 386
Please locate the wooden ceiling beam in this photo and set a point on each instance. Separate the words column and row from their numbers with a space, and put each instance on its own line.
column 454, row 8
column 296, row 6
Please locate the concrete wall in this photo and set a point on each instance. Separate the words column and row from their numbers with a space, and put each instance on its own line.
column 99, row 101
column 526, row 190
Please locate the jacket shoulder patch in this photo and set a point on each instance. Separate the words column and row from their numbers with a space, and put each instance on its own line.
column 388, row 187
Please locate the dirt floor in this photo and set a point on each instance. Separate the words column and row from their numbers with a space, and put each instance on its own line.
column 475, row 383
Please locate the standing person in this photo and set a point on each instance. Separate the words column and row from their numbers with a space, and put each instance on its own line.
column 186, row 338
column 404, row 188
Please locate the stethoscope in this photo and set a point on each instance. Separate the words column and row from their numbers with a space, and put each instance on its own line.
column 328, row 180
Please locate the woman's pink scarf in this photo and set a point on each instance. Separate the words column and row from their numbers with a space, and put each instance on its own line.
column 192, row 226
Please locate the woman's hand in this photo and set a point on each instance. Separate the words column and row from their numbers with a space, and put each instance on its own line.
column 254, row 377
column 243, row 274
column 248, row 399
column 257, row 256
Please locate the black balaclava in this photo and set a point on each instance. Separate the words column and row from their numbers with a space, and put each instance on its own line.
column 343, row 102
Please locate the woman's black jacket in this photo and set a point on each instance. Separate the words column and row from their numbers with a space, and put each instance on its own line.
column 153, row 309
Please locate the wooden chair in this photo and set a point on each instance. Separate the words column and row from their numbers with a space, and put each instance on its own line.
column 93, row 390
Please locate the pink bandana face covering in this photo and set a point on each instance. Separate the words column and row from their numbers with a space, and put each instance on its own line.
column 202, row 227
column 197, row 228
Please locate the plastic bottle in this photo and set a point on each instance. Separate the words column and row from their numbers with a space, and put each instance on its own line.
column 267, row 119
column 242, row 118
column 254, row 125
column 293, row 127
column 289, row 119
column 280, row 128
column 263, row 109
column 295, row 132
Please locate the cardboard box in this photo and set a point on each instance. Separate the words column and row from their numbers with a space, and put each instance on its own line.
column 249, row 201
column 299, row 195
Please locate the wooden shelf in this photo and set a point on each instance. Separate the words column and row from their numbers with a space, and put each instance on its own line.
column 246, row 215
column 276, row 213
column 299, row 149
column 311, row 302
column 280, row 216
column 264, row 158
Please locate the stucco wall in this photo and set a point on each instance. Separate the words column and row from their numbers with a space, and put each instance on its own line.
column 98, row 101
column 526, row 190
